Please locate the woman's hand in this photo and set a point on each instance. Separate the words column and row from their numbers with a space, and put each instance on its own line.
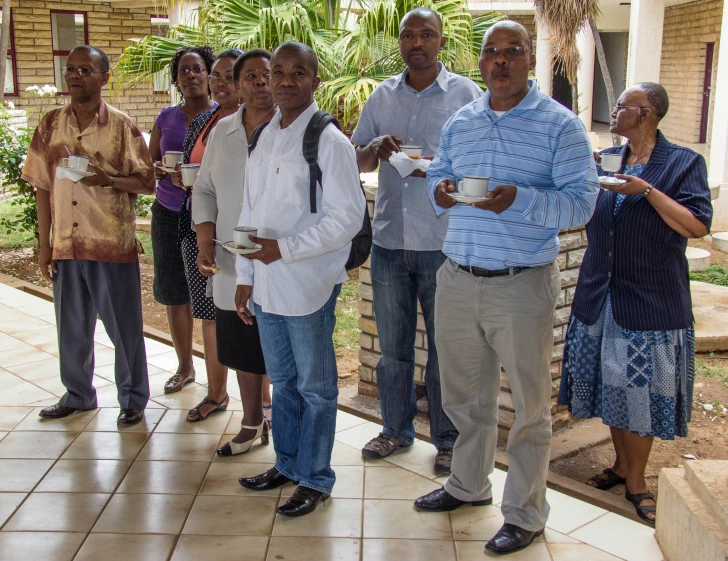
column 634, row 185
column 159, row 173
column 176, row 177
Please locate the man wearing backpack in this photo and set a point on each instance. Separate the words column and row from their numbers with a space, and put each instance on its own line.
column 296, row 276
column 411, row 109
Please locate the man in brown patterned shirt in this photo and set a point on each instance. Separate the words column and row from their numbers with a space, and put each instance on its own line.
column 91, row 256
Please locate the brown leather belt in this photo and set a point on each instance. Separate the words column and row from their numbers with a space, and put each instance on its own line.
column 488, row 273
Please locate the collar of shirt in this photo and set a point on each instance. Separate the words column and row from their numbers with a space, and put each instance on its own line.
column 299, row 125
column 531, row 101
column 441, row 80
column 235, row 126
column 101, row 119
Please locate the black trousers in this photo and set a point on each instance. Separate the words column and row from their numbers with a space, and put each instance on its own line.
column 83, row 290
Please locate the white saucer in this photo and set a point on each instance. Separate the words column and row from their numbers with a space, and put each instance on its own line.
column 79, row 172
column 230, row 247
column 459, row 197
column 168, row 170
column 608, row 181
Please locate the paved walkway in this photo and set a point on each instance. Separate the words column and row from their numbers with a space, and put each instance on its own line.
column 80, row 488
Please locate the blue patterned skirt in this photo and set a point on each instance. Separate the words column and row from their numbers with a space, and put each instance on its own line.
column 641, row 381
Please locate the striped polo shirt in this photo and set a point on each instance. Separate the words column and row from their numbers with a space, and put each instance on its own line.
column 540, row 147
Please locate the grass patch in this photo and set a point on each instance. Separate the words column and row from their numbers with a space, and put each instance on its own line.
column 711, row 370
column 346, row 333
column 146, row 240
column 715, row 274
column 12, row 239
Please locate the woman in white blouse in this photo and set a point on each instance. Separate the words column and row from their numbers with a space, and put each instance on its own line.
column 216, row 201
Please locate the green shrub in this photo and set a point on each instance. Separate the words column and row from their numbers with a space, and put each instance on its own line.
column 715, row 274
column 14, row 146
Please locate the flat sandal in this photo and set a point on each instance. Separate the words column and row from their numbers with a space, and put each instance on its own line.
column 196, row 410
column 612, row 480
column 642, row 511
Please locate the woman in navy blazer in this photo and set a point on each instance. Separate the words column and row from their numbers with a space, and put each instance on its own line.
column 630, row 348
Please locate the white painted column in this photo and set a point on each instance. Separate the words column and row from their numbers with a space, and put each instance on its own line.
column 585, row 75
column 544, row 64
column 181, row 13
column 718, row 171
column 646, row 20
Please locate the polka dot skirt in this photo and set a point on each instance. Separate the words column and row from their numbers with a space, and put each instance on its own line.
column 202, row 305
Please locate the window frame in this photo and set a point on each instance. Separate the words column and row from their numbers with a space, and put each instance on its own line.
column 66, row 53
column 155, row 76
column 12, row 54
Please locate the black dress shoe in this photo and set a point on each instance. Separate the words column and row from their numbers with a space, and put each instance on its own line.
column 271, row 479
column 58, row 411
column 130, row 416
column 511, row 538
column 442, row 501
column 303, row 501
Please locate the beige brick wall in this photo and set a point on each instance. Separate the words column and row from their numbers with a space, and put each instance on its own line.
column 573, row 245
column 109, row 28
column 688, row 27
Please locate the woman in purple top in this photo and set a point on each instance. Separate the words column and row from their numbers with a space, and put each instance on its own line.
column 190, row 68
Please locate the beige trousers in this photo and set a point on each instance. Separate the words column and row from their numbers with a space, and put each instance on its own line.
column 481, row 323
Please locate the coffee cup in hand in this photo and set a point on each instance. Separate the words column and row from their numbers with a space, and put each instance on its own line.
column 473, row 186
column 79, row 163
column 414, row 152
column 241, row 236
column 611, row 162
column 172, row 158
column 189, row 174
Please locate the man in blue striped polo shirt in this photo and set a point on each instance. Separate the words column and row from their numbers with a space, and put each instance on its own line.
column 497, row 291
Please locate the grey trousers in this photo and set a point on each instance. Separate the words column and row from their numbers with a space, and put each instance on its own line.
column 480, row 324
column 83, row 290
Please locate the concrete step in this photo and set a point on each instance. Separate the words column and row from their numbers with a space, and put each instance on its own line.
column 698, row 259
column 709, row 480
column 719, row 241
column 714, row 191
column 710, row 308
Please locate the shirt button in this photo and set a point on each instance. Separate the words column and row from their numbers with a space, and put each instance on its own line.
column 79, row 137
column 74, row 203
column 405, row 210
column 75, row 224
column 611, row 232
column 406, row 184
column 610, row 253
column 609, row 274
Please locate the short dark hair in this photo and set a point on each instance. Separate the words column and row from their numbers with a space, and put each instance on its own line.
column 423, row 13
column 101, row 57
column 229, row 53
column 205, row 52
column 511, row 24
column 246, row 56
column 657, row 97
column 300, row 48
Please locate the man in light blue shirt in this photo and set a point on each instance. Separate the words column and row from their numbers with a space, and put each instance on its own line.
column 497, row 291
column 409, row 109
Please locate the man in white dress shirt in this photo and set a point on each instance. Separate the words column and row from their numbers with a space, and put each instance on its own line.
column 296, row 277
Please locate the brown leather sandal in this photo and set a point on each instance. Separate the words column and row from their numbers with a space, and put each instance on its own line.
column 218, row 408
column 380, row 446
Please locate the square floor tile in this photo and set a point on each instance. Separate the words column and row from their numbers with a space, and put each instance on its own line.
column 231, row 516
column 105, row 421
column 477, row 522
column 75, row 422
column 104, row 355
column 51, row 348
column 24, row 394
column 171, row 478
column 349, row 482
column 385, row 483
column 185, row 399
column 552, row 536
column 11, row 416
column 346, row 421
column 166, row 361
column 21, row 323
column 106, row 446
column 358, row 435
column 420, row 458
column 316, row 549
column 48, row 546
column 36, row 445
column 156, row 347
column 22, row 475
column 3, row 435
column 7, row 342
column 22, row 355
column 7, row 379
column 474, row 551
column 8, row 503
column 57, row 512
column 345, row 455
column 180, row 447
column 635, row 541
column 422, row 550
column 222, row 479
column 395, row 519
column 258, row 453
column 107, row 372
column 579, row 552
column 38, row 336
column 568, row 513
column 338, row 518
column 84, row 476
column 48, row 368
column 144, row 514
column 123, row 547
column 224, row 548
column 176, row 421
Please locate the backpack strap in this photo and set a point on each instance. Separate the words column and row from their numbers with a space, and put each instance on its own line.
column 315, row 127
column 253, row 140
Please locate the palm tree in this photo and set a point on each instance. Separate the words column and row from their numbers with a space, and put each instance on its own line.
column 356, row 43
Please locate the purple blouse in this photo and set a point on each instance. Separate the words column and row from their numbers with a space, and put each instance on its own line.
column 172, row 123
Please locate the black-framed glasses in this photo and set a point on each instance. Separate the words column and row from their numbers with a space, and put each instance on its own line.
column 508, row 52
column 82, row 72
column 619, row 107
column 196, row 69
column 214, row 79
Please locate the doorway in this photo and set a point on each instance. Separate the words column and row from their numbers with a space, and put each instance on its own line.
column 707, row 92
column 560, row 87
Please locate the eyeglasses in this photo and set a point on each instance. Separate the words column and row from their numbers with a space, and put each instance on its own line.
column 618, row 107
column 214, row 79
column 82, row 72
column 508, row 52
column 196, row 69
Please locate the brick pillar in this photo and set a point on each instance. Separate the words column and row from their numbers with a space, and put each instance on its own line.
column 573, row 246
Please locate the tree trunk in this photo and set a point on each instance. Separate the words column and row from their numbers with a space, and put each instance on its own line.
column 575, row 97
column 605, row 71
column 4, row 42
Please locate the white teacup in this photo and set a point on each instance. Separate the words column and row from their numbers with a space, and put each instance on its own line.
column 241, row 236
column 189, row 174
column 79, row 163
column 172, row 158
column 412, row 151
column 473, row 186
column 611, row 162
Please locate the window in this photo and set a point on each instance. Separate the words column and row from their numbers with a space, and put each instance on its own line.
column 160, row 28
column 11, row 72
column 69, row 30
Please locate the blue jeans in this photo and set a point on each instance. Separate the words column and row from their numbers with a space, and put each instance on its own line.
column 399, row 279
column 301, row 364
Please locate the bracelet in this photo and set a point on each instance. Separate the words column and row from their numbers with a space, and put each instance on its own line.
column 647, row 191
column 111, row 183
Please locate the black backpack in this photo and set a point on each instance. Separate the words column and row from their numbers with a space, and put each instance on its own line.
column 361, row 245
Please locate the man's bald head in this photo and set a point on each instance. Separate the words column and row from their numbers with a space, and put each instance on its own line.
column 510, row 25
column 424, row 13
column 307, row 54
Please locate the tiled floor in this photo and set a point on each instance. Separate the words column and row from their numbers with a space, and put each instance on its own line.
column 80, row 488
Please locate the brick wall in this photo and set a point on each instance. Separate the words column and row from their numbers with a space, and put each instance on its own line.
column 573, row 246
column 688, row 27
column 109, row 28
